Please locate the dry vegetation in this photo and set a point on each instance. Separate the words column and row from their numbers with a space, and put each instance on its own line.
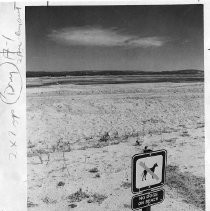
column 81, row 140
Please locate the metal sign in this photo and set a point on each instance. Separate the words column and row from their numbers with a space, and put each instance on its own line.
column 147, row 199
column 148, row 170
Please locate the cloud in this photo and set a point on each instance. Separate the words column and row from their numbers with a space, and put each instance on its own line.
column 93, row 36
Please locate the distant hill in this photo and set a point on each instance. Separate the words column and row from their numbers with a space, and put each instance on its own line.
column 112, row 72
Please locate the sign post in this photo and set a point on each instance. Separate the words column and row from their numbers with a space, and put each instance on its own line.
column 148, row 176
column 146, row 209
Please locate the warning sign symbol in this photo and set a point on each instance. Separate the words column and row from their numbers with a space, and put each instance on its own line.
column 148, row 170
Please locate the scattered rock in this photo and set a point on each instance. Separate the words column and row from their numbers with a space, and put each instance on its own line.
column 61, row 183
column 93, row 170
column 90, row 200
column 137, row 143
column 97, row 175
column 72, row 205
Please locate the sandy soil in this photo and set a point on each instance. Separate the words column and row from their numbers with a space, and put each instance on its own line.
column 81, row 140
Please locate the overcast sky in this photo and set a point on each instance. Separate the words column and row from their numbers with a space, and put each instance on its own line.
column 148, row 38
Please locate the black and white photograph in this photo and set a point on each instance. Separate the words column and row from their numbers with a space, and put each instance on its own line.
column 115, row 107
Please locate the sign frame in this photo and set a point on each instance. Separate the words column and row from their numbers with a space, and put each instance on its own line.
column 136, row 157
column 149, row 192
